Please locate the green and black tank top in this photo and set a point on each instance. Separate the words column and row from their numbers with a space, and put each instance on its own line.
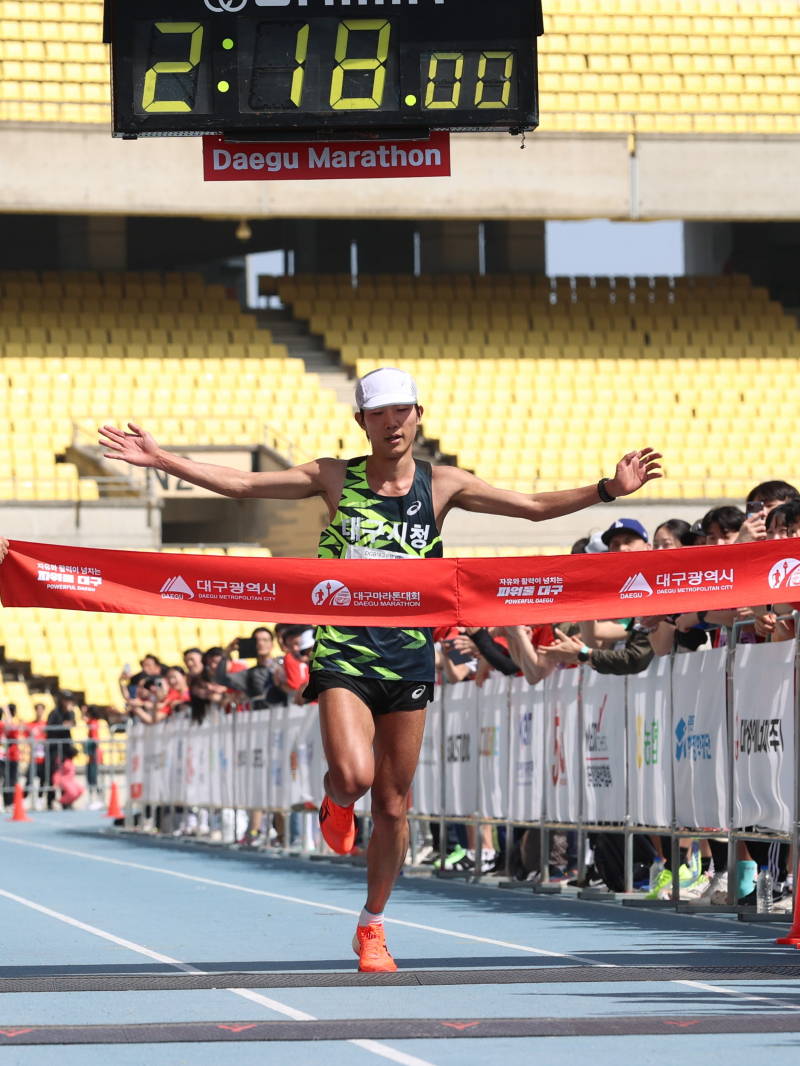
column 369, row 526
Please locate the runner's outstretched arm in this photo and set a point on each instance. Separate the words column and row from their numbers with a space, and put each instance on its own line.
column 139, row 448
column 464, row 490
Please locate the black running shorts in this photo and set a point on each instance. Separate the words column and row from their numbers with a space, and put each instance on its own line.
column 382, row 697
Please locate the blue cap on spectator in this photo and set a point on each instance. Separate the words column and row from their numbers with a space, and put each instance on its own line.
column 631, row 524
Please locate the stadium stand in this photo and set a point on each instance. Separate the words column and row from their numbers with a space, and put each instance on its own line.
column 670, row 66
column 508, row 365
column 81, row 349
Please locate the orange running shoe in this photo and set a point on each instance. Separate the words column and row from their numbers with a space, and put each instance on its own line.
column 338, row 826
column 369, row 944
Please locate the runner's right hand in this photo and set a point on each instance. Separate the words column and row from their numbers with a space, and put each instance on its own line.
column 137, row 447
column 3, row 548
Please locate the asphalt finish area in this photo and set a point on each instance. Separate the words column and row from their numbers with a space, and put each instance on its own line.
column 113, row 942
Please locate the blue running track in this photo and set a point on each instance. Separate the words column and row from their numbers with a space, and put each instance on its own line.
column 112, row 906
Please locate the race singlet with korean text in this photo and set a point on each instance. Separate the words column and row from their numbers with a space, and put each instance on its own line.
column 369, row 526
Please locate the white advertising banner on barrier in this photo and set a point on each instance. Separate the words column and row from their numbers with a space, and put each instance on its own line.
column 198, row 755
column 561, row 745
column 493, row 747
column 259, row 748
column 527, row 739
column 461, row 748
column 763, row 741
column 699, row 739
column 509, row 747
column 426, row 792
column 649, row 745
column 135, row 760
column 603, row 747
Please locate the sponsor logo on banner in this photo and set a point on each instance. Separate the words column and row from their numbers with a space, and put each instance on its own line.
column 175, row 588
column 525, row 765
column 490, row 735
column 694, row 581
column 458, row 747
column 69, row 578
column 785, row 573
column 758, row 736
column 336, row 592
column 646, row 742
column 691, row 745
column 531, row 589
column 230, row 590
column 635, row 588
column 598, row 771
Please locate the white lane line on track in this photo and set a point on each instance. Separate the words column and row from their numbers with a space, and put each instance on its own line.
column 304, row 902
column 373, row 1046
column 396, row 921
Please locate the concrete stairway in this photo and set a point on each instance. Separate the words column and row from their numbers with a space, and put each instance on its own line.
column 311, row 349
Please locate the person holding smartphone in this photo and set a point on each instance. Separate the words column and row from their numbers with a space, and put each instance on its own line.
column 254, row 681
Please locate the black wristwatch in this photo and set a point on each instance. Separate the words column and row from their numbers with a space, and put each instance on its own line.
column 583, row 655
column 605, row 496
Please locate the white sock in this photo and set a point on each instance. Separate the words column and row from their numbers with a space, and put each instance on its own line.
column 368, row 918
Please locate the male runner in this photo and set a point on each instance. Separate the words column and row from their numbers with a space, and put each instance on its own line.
column 373, row 683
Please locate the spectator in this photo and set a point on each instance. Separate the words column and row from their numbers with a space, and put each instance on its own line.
column 142, row 704
column 93, row 756
column 625, row 535
column 150, row 667
column 14, row 732
column 782, row 522
column 695, row 538
column 773, row 493
column 193, row 662
column 293, row 677
column 256, row 681
column 176, row 692
column 579, row 547
column 775, row 523
column 455, row 665
column 670, row 534
column 59, row 739
column 204, row 691
column 524, row 643
column 490, row 648
column 722, row 524
column 37, row 767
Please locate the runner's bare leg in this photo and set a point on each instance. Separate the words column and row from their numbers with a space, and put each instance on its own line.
column 349, row 733
column 398, row 739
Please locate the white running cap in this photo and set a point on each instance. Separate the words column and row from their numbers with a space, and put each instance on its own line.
column 385, row 387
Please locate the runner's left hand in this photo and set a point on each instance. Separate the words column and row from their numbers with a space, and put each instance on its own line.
column 634, row 470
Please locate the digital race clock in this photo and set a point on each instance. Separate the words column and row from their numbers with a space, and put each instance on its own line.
column 314, row 67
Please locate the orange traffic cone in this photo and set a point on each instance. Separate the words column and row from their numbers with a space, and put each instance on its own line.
column 19, row 814
column 114, row 809
column 793, row 939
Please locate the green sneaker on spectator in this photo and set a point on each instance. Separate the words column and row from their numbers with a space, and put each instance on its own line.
column 455, row 856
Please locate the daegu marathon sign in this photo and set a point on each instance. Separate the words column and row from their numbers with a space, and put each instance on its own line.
column 308, row 161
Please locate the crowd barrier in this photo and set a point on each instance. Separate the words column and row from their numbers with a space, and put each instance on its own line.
column 699, row 744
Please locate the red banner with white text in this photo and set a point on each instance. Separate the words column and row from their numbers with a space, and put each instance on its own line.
column 313, row 160
column 402, row 592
